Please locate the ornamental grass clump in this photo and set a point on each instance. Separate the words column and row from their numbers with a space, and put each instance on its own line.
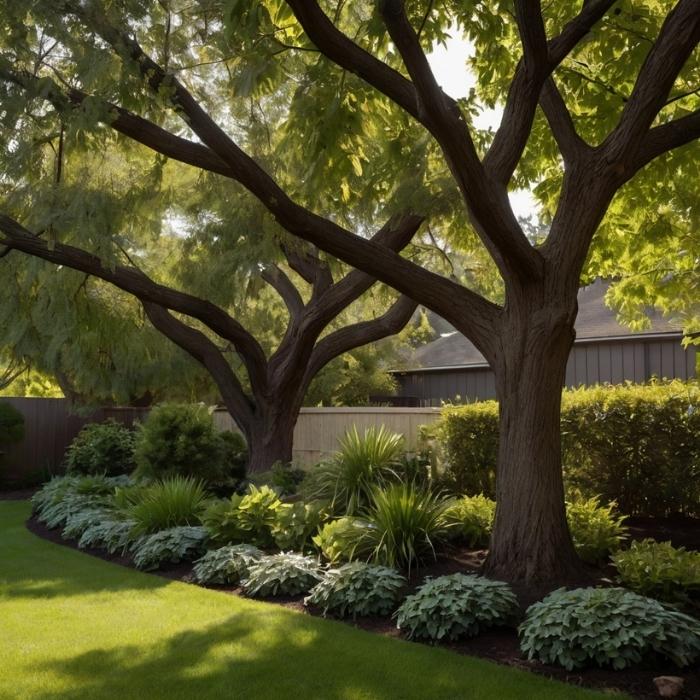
column 357, row 589
column 281, row 574
column 606, row 627
column 169, row 546
column 225, row 565
column 456, row 606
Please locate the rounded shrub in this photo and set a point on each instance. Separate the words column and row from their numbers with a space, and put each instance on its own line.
column 357, row 589
column 225, row 565
column 471, row 518
column 101, row 448
column 606, row 627
column 281, row 574
column 456, row 606
column 180, row 439
column 595, row 529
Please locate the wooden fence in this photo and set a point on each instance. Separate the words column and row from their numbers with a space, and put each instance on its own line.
column 51, row 425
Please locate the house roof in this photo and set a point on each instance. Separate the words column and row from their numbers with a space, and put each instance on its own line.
column 595, row 322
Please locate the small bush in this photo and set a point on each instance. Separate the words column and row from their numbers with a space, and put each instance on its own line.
column 11, row 424
column 295, row 523
column 456, row 606
column 169, row 546
column 660, row 570
column 112, row 535
column 286, row 478
column 343, row 539
column 181, row 440
column 595, row 529
column 281, row 574
column 471, row 518
column 405, row 525
column 363, row 462
column 234, row 455
column 226, row 565
column 101, row 448
column 357, row 589
column 169, row 503
column 606, row 627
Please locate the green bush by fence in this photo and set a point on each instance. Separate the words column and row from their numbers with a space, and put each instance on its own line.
column 637, row 445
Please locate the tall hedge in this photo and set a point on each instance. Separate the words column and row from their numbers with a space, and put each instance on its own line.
column 636, row 444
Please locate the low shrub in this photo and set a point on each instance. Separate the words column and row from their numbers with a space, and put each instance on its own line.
column 172, row 546
column 405, row 524
column 347, row 479
column 343, row 540
column 225, row 565
column 357, row 589
column 234, row 456
column 11, row 425
column 169, row 503
column 285, row 478
column 471, row 519
column 295, row 523
column 595, row 529
column 281, row 574
column 116, row 536
column 606, row 627
column 101, row 448
column 456, row 606
column 181, row 440
column 660, row 570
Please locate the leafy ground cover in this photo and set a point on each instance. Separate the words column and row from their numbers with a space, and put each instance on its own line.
column 74, row 626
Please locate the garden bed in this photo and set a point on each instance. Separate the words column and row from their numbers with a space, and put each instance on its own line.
column 497, row 645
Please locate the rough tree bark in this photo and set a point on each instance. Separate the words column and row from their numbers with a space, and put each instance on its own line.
column 526, row 340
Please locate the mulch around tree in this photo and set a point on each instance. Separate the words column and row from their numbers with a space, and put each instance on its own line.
column 498, row 645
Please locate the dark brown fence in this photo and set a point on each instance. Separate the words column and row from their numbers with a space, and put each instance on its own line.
column 50, row 425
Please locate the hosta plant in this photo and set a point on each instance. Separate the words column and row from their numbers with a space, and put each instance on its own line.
column 472, row 519
column 112, row 535
column 660, row 570
column 363, row 462
column 357, row 589
column 169, row 503
column 281, row 574
column 343, row 539
column 456, row 606
column 78, row 522
column 606, row 627
column 295, row 523
column 225, row 565
column 169, row 546
column 595, row 529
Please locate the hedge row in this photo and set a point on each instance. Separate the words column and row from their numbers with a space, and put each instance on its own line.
column 636, row 444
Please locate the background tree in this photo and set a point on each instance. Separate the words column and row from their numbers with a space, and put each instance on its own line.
column 375, row 130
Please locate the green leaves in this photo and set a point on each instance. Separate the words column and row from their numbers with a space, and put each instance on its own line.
column 606, row 627
column 281, row 574
column 456, row 606
column 226, row 565
column 168, row 546
column 596, row 530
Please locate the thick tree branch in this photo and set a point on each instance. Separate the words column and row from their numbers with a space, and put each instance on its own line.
column 675, row 43
column 142, row 287
column 570, row 144
column 666, row 137
column 202, row 349
column 353, row 336
column 289, row 294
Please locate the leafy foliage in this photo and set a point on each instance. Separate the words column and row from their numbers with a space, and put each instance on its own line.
column 169, row 503
column 78, row 522
column 225, row 565
column 343, row 539
column 455, row 606
column 636, row 445
column 11, row 424
column 281, row 574
column 606, row 627
column 101, row 448
column 295, row 524
column 112, row 535
column 404, row 525
column 184, row 543
column 357, row 589
column 595, row 529
column 472, row 519
column 363, row 462
column 660, row 570
column 180, row 439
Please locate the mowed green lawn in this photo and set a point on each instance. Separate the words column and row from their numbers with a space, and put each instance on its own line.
column 72, row 626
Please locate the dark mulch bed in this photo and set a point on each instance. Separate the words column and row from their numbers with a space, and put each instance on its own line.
column 500, row 645
column 17, row 494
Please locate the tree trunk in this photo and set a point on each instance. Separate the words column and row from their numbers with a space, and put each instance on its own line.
column 270, row 437
column 531, row 543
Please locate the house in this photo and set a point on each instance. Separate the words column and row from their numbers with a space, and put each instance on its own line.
column 452, row 369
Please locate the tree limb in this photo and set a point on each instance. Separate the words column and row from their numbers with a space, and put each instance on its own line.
column 570, row 144
column 289, row 294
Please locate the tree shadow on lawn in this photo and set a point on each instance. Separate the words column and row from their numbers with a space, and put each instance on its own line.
column 279, row 654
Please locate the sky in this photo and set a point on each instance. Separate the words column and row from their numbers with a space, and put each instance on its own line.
column 449, row 64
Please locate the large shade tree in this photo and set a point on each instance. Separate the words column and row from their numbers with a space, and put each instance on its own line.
column 593, row 94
